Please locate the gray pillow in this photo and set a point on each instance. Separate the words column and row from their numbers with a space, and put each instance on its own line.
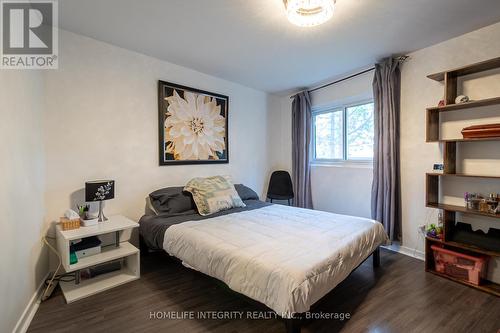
column 171, row 200
column 246, row 193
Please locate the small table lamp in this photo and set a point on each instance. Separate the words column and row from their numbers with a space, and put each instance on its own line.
column 100, row 190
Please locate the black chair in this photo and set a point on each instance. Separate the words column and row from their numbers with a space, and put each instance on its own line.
column 280, row 186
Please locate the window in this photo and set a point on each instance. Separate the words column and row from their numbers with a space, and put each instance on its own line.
column 344, row 134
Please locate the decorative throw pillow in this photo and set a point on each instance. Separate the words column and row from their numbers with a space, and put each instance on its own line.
column 213, row 194
column 246, row 193
column 171, row 200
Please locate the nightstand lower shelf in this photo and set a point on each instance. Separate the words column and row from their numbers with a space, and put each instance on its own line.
column 73, row 292
column 130, row 272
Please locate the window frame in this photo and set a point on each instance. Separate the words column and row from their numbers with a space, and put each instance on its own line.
column 344, row 160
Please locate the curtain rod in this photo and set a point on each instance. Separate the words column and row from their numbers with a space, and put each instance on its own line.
column 340, row 80
column 402, row 59
column 343, row 79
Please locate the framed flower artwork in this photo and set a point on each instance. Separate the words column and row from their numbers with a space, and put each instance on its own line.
column 192, row 125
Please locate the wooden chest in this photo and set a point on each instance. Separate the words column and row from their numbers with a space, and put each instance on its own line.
column 481, row 131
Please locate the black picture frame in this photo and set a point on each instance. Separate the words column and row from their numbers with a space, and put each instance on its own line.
column 165, row 89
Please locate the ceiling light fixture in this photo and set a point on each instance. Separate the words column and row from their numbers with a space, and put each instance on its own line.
column 309, row 13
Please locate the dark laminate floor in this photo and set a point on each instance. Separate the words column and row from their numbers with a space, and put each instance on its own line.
column 397, row 297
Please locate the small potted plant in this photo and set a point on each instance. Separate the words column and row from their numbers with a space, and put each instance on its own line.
column 85, row 216
column 435, row 231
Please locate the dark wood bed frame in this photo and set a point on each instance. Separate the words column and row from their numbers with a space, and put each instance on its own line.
column 292, row 325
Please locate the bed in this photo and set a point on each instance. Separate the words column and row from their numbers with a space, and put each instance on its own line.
column 284, row 257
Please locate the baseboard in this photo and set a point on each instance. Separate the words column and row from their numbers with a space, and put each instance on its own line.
column 406, row 251
column 29, row 312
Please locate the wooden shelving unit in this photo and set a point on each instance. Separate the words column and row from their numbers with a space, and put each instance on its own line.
column 466, row 70
column 461, row 175
column 466, row 105
column 460, row 209
column 487, row 286
column 450, row 79
column 467, row 140
column 450, row 146
column 467, row 247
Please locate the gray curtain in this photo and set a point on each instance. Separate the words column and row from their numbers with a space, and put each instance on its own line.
column 301, row 149
column 386, row 192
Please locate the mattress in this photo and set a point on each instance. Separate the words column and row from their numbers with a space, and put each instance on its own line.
column 284, row 257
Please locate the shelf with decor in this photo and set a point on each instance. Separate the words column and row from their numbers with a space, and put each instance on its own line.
column 465, row 140
column 466, row 105
column 450, row 79
column 461, row 209
column 487, row 286
column 463, row 246
column 452, row 237
column 466, row 70
column 461, row 175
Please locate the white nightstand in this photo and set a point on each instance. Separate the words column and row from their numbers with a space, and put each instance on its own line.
column 121, row 249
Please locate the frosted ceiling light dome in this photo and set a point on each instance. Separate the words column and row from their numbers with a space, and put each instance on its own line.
column 308, row 13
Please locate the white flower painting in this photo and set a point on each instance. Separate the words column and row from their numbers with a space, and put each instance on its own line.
column 194, row 126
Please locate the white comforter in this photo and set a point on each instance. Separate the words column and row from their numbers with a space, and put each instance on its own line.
column 285, row 257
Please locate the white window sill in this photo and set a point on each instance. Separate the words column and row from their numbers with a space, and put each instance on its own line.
column 344, row 164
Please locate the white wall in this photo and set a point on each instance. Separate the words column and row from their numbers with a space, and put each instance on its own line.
column 343, row 189
column 102, row 122
column 23, row 260
column 417, row 157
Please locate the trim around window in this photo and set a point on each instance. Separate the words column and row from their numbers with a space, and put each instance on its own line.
column 345, row 161
column 342, row 163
